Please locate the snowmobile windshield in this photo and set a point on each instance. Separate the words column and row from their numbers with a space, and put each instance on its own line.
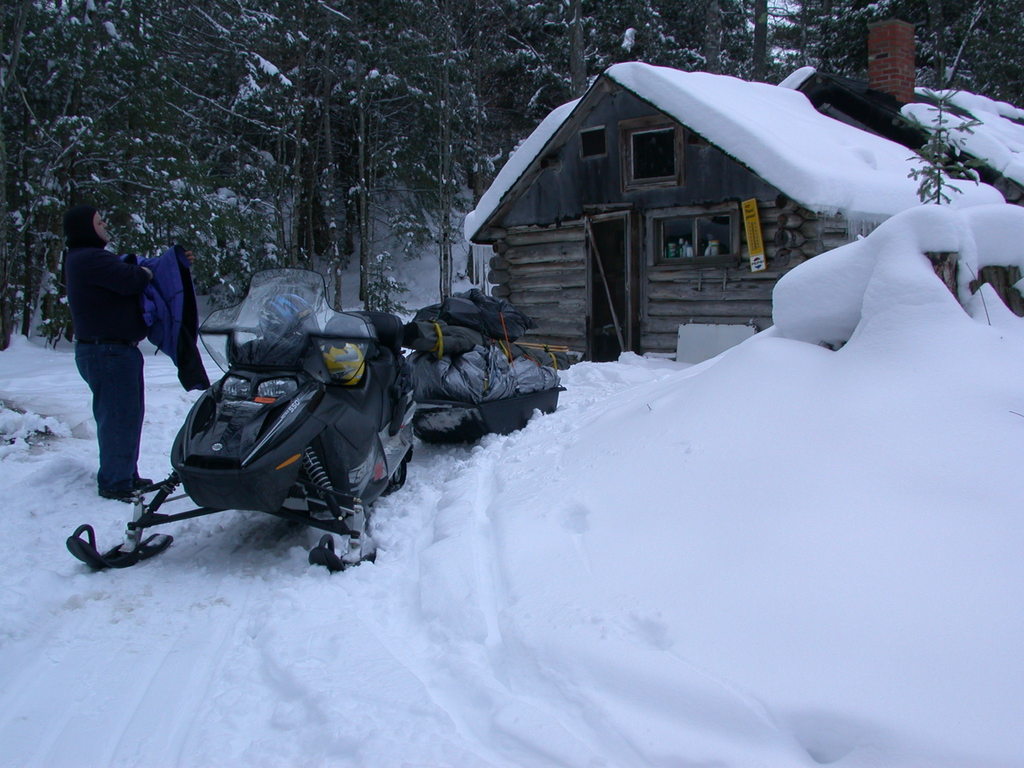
column 285, row 323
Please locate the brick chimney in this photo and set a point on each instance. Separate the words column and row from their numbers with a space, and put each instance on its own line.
column 891, row 59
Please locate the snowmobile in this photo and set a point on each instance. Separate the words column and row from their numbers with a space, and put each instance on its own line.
column 311, row 422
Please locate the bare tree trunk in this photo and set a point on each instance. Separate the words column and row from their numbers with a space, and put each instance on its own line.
column 444, row 173
column 8, row 64
column 349, row 235
column 29, row 285
column 760, row 59
column 713, row 41
column 364, row 207
column 331, row 255
column 577, row 56
column 937, row 26
column 296, row 193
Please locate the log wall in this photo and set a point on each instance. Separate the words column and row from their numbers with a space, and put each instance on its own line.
column 1003, row 280
column 734, row 295
column 544, row 273
column 1011, row 190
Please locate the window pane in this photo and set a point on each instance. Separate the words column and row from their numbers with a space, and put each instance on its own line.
column 592, row 142
column 714, row 235
column 654, row 154
column 677, row 239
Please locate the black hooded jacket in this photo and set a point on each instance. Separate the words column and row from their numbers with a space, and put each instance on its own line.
column 103, row 291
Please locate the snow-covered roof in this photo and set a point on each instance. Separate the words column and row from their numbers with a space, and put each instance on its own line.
column 997, row 140
column 775, row 131
column 516, row 166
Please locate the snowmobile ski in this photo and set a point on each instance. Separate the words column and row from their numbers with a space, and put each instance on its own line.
column 323, row 554
column 85, row 549
column 361, row 549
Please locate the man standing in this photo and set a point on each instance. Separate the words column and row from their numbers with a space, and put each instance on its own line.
column 104, row 296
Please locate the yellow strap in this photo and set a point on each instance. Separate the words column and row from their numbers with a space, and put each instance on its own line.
column 439, row 345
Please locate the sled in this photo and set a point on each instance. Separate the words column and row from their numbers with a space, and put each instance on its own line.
column 451, row 421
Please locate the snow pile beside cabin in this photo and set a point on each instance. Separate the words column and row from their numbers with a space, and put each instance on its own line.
column 775, row 131
column 789, row 555
column 851, row 289
column 997, row 139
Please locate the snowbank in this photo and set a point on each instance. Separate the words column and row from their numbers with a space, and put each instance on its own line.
column 827, row 299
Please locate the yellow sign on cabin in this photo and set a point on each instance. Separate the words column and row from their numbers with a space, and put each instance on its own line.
column 755, row 244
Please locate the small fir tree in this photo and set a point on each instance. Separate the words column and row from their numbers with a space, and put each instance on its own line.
column 941, row 160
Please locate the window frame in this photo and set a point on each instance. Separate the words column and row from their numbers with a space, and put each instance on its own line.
column 655, row 236
column 630, row 128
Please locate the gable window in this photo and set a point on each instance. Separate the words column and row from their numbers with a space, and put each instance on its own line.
column 652, row 153
column 692, row 237
column 592, row 142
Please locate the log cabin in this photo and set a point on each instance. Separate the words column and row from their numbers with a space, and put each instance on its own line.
column 656, row 213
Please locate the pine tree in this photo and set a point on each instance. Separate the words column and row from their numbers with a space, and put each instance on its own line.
column 940, row 158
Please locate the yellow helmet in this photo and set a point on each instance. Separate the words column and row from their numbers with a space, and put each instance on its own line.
column 345, row 363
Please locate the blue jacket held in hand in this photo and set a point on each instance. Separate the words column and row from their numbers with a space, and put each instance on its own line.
column 169, row 311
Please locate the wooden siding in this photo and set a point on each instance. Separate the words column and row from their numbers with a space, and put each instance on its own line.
column 1002, row 280
column 1011, row 190
column 561, row 187
column 729, row 295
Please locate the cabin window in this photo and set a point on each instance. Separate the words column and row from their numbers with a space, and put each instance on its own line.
column 592, row 143
column 705, row 238
column 652, row 153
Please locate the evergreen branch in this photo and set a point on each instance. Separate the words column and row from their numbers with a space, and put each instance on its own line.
column 979, row 12
column 335, row 11
column 213, row 102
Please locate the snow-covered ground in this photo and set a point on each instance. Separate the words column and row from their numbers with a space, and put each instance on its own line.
column 785, row 556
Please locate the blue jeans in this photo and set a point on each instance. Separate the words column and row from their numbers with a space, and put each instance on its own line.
column 114, row 374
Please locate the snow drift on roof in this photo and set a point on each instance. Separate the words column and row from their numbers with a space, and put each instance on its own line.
column 774, row 131
column 798, row 78
column 999, row 139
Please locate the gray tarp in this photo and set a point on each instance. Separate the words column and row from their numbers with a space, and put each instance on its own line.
column 480, row 375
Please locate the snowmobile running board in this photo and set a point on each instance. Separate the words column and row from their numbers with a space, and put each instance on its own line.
column 135, row 549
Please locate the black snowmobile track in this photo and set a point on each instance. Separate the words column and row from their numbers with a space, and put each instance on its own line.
column 85, row 549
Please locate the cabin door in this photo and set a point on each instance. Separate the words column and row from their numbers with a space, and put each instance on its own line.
column 609, row 327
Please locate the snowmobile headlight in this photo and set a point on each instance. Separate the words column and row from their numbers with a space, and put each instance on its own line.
column 272, row 389
column 236, row 388
column 345, row 361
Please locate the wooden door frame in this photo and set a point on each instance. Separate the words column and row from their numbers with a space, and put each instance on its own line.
column 629, row 320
